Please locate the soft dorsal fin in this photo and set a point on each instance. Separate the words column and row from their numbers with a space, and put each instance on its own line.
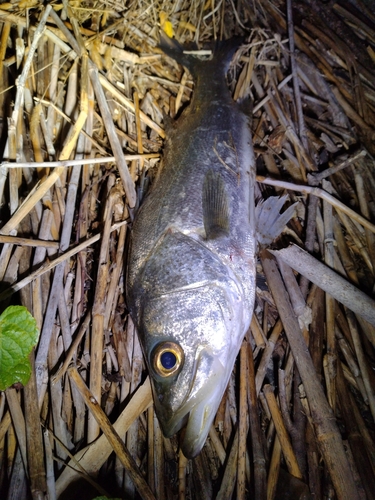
column 270, row 223
column 215, row 205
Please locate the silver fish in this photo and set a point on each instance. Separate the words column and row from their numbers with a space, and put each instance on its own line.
column 191, row 268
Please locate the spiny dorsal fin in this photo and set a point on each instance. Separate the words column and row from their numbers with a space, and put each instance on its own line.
column 215, row 206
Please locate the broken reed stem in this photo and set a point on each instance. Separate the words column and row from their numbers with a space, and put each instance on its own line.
column 330, row 302
column 72, row 349
column 362, row 361
column 18, row 421
column 259, row 460
column 98, row 312
column 92, row 457
column 182, row 465
column 294, row 67
column 274, row 469
column 228, row 482
column 327, row 279
column 34, row 438
column 112, row 136
column 21, row 83
column 242, row 424
column 282, row 433
column 29, row 242
column 325, row 426
column 84, row 161
column 112, row 436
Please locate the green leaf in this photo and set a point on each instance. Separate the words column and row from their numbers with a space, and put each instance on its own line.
column 18, row 335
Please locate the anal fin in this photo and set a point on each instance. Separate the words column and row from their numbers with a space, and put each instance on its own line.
column 215, row 206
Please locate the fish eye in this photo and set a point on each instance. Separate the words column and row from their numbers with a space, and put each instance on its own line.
column 167, row 359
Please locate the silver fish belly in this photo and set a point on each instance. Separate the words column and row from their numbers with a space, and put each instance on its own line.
column 191, row 268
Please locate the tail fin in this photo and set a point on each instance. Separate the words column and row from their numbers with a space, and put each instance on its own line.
column 270, row 223
column 223, row 51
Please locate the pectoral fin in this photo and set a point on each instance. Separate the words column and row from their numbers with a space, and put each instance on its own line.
column 215, row 206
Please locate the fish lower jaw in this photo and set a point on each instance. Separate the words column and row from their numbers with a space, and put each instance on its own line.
column 198, row 420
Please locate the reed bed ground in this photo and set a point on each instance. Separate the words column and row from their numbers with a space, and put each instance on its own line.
column 84, row 95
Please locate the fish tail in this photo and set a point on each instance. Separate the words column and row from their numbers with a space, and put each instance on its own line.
column 223, row 52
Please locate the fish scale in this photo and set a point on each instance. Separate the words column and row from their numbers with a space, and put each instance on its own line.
column 191, row 268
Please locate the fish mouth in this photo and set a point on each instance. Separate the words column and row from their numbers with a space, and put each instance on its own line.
column 199, row 408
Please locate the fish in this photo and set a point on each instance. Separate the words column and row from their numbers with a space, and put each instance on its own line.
column 191, row 274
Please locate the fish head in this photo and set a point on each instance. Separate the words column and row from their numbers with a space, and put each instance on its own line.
column 192, row 338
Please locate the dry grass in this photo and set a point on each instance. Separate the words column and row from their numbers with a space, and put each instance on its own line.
column 83, row 92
